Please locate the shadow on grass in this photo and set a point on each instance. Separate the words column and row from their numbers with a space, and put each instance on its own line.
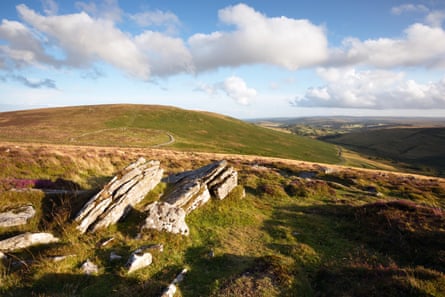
column 378, row 249
column 207, row 273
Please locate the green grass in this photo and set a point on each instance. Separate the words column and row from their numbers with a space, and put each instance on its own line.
column 419, row 149
column 335, row 238
column 148, row 126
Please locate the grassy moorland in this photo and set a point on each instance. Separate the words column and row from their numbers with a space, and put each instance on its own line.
column 347, row 232
column 420, row 149
column 148, row 126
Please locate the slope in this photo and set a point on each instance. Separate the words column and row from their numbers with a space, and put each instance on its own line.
column 419, row 148
column 151, row 126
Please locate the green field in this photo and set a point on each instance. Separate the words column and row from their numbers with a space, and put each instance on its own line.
column 149, row 126
column 419, row 149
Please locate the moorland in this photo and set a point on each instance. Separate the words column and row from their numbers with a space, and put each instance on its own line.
column 305, row 220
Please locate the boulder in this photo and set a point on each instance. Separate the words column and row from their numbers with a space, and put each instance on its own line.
column 192, row 188
column 163, row 216
column 138, row 260
column 26, row 240
column 122, row 193
column 17, row 216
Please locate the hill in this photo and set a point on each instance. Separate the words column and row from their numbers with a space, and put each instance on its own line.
column 419, row 149
column 154, row 126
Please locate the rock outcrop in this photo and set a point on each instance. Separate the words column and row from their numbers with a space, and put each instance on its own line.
column 191, row 190
column 166, row 217
column 26, row 240
column 116, row 199
column 17, row 216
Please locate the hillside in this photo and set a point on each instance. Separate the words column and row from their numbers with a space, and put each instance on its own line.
column 420, row 149
column 301, row 229
column 154, row 126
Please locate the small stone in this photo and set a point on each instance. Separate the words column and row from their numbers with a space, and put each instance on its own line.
column 17, row 216
column 89, row 267
column 165, row 217
column 138, row 260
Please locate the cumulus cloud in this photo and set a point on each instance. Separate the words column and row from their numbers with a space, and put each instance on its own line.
column 167, row 55
column 234, row 87
column 24, row 47
column 257, row 39
column 81, row 40
column 419, row 47
column 372, row 89
column 397, row 10
column 237, row 89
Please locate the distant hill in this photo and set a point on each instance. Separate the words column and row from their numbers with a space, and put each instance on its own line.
column 419, row 148
column 155, row 126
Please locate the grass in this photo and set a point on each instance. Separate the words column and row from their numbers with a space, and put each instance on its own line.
column 147, row 126
column 415, row 149
column 329, row 235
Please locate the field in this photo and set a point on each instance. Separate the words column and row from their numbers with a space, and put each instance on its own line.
column 298, row 223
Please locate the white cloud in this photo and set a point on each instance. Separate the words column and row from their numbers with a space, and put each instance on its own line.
column 237, row 89
column 84, row 40
column 233, row 86
column 258, row 39
column 397, row 10
column 24, row 47
column 167, row 55
column 421, row 46
column 373, row 89
column 78, row 40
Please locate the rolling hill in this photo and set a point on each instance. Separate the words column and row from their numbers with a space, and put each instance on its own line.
column 421, row 149
column 154, row 126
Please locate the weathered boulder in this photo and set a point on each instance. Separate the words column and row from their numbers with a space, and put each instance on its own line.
column 17, row 216
column 138, row 260
column 191, row 188
column 121, row 194
column 26, row 240
column 162, row 216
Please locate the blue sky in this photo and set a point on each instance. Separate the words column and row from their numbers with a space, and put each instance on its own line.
column 246, row 59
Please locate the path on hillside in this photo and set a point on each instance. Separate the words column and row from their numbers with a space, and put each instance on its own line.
column 171, row 141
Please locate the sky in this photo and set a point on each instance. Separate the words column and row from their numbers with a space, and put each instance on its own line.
column 251, row 59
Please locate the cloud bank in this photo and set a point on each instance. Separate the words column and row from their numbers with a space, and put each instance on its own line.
column 375, row 89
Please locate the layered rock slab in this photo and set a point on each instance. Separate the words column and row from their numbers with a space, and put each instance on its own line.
column 26, row 240
column 17, row 216
column 117, row 198
column 191, row 190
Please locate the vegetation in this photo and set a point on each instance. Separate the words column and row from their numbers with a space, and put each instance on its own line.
column 300, row 230
column 415, row 149
column 149, row 126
